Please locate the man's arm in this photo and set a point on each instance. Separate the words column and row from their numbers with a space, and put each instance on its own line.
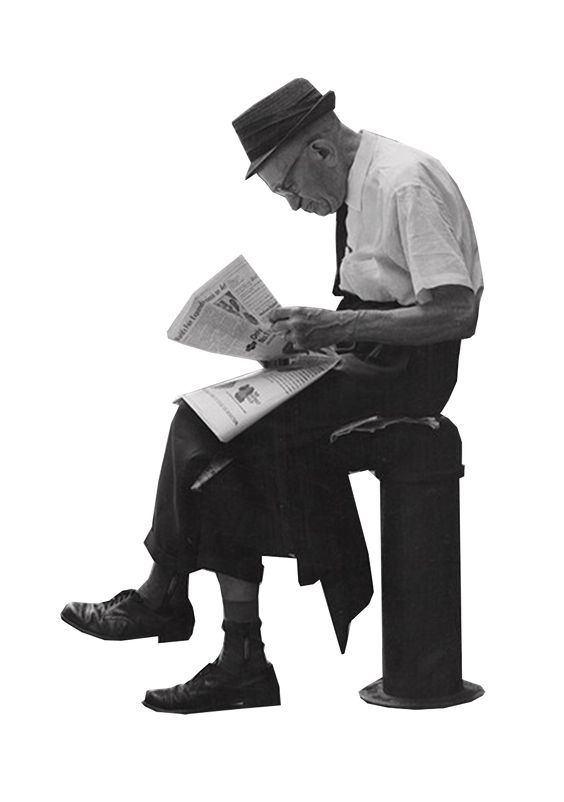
column 451, row 314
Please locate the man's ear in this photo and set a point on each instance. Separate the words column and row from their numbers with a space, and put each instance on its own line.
column 323, row 150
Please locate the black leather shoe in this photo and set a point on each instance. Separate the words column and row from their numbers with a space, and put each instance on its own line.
column 127, row 616
column 213, row 688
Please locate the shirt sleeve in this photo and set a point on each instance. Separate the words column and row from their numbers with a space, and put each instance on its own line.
column 432, row 253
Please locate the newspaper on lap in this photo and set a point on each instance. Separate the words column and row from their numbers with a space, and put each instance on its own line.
column 229, row 315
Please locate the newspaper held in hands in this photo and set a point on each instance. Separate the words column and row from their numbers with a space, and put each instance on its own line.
column 230, row 407
column 229, row 315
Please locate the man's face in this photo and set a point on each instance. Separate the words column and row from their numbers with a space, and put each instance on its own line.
column 308, row 175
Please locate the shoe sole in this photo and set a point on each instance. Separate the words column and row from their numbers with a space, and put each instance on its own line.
column 162, row 637
column 242, row 705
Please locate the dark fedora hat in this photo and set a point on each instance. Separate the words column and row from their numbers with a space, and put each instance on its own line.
column 277, row 118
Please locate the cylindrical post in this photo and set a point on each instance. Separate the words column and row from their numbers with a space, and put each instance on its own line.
column 421, row 633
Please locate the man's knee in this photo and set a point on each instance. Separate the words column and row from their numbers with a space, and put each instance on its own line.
column 191, row 445
column 187, row 427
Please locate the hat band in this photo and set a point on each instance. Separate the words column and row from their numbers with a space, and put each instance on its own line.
column 271, row 134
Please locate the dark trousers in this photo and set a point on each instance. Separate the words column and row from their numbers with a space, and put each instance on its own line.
column 178, row 537
column 239, row 515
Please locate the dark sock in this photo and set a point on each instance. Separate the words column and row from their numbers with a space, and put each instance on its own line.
column 177, row 594
column 242, row 611
column 243, row 649
column 164, row 587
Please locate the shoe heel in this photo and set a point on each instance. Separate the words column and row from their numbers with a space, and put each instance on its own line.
column 271, row 699
column 266, row 701
column 175, row 632
column 265, row 696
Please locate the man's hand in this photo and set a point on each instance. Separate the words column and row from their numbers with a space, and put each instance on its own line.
column 309, row 329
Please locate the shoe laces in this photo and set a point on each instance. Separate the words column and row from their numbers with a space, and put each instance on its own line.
column 119, row 597
column 200, row 678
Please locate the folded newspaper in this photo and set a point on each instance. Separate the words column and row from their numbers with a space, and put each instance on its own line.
column 229, row 315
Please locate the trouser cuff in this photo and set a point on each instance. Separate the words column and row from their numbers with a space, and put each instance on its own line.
column 180, row 563
column 247, row 567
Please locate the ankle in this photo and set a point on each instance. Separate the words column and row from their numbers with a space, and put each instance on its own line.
column 164, row 587
column 243, row 649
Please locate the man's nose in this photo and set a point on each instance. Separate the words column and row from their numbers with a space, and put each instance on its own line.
column 294, row 202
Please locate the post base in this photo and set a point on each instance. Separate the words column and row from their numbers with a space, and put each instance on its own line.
column 374, row 694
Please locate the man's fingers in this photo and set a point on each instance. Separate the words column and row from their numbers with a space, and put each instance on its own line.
column 280, row 326
column 281, row 313
column 279, row 364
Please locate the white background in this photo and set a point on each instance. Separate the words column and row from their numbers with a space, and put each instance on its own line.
column 122, row 190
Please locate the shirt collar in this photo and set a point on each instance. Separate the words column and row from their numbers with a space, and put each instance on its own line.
column 359, row 168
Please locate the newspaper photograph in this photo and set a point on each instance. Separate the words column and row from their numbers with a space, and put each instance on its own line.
column 229, row 315
column 230, row 407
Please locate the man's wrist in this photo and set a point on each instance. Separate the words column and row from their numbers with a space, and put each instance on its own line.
column 348, row 325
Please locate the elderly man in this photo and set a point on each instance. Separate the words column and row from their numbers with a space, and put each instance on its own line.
column 410, row 280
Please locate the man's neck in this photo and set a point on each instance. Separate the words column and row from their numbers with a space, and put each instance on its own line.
column 350, row 141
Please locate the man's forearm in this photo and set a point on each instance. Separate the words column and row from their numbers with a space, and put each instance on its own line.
column 451, row 314
column 414, row 325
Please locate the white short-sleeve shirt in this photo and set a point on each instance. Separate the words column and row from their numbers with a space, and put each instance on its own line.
column 408, row 227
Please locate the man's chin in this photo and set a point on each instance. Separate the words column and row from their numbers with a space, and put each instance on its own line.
column 322, row 209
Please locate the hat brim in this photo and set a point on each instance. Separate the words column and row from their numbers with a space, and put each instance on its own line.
column 323, row 105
